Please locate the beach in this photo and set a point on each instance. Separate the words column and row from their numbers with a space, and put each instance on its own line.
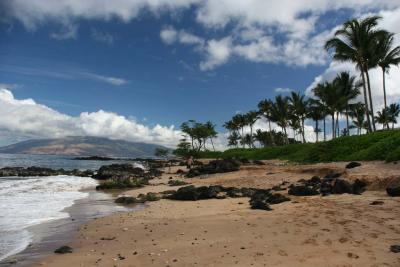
column 335, row 230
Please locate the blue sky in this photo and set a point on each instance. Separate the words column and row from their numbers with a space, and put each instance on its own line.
column 162, row 62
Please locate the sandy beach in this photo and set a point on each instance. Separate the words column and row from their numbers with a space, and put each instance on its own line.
column 337, row 230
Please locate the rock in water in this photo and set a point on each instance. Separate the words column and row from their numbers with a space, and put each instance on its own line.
column 352, row 165
column 63, row 250
column 302, row 190
column 393, row 190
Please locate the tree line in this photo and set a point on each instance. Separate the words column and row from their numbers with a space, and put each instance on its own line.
column 359, row 41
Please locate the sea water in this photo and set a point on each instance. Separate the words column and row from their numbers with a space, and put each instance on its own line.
column 29, row 201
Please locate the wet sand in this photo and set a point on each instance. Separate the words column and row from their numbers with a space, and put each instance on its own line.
column 338, row 230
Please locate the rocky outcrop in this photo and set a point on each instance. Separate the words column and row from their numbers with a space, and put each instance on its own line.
column 118, row 171
column 330, row 184
column 39, row 171
column 215, row 166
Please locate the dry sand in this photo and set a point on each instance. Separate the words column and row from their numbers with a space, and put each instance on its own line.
column 338, row 230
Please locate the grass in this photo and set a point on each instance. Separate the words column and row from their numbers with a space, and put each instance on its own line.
column 382, row 145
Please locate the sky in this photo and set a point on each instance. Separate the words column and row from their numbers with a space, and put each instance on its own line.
column 137, row 69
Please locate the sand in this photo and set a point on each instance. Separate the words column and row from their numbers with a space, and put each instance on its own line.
column 338, row 230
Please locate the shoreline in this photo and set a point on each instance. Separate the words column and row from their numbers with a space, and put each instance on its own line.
column 48, row 236
column 337, row 230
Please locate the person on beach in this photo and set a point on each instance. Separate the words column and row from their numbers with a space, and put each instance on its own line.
column 189, row 162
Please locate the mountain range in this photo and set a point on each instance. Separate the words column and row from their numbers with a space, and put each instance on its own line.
column 82, row 146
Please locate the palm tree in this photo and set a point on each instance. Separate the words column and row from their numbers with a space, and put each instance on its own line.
column 265, row 109
column 240, row 121
column 394, row 111
column 299, row 108
column 386, row 56
column 280, row 113
column 357, row 113
column 251, row 118
column 315, row 113
column 347, row 91
column 383, row 118
column 327, row 93
column 355, row 42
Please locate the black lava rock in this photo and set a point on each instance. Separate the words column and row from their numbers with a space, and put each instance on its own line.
column 302, row 190
column 352, row 165
column 63, row 250
column 393, row 190
column 341, row 186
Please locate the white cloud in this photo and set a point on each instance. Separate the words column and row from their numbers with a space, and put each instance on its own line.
column 68, row 31
column 283, row 90
column 170, row 35
column 66, row 74
column 217, row 53
column 103, row 37
column 26, row 118
column 107, row 79
column 8, row 86
column 34, row 13
column 254, row 25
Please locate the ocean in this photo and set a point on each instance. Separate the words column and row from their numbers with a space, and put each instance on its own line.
column 26, row 202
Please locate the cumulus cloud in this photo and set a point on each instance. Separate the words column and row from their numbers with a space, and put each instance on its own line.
column 217, row 53
column 26, row 118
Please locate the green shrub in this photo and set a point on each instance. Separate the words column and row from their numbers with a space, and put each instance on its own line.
column 382, row 145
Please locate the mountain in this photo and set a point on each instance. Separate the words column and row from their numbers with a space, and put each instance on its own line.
column 82, row 146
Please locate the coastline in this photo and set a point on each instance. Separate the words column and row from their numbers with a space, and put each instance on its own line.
column 48, row 236
column 338, row 230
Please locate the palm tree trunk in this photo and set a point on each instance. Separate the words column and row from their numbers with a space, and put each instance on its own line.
column 212, row 143
column 304, row 138
column 333, row 125
column 270, row 130
column 347, row 118
column 384, row 87
column 316, row 130
column 324, row 129
column 366, row 101
column 370, row 101
column 337, row 125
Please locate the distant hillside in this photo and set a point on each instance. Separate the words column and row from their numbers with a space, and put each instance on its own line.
column 82, row 146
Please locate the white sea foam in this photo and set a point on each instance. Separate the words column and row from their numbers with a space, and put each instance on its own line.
column 32, row 200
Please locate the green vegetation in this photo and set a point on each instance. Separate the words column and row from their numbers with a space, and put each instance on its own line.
column 359, row 41
column 381, row 145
